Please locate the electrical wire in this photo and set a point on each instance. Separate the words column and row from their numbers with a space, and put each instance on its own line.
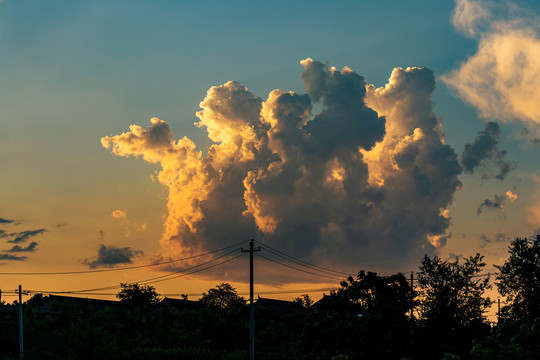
column 146, row 281
column 314, row 268
column 206, row 268
column 268, row 248
column 122, row 268
column 297, row 269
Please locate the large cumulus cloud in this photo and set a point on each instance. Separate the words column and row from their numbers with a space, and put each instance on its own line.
column 369, row 178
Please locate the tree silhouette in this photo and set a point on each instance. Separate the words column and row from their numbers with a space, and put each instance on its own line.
column 304, row 301
column 365, row 319
column 223, row 298
column 519, row 280
column 137, row 296
column 451, row 305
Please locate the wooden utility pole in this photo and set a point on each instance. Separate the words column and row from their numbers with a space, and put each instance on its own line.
column 499, row 310
column 412, row 295
column 251, row 310
column 21, row 347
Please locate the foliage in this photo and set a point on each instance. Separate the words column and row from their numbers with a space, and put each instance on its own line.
column 305, row 301
column 519, row 280
column 137, row 296
column 448, row 356
column 223, row 298
column 509, row 340
column 451, row 305
column 365, row 318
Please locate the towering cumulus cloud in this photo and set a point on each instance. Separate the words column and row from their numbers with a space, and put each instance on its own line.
column 366, row 180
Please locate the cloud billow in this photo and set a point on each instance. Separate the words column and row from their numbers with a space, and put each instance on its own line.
column 367, row 179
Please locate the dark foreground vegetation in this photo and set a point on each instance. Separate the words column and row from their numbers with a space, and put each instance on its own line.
column 369, row 317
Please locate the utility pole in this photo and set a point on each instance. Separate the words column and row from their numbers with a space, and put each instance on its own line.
column 412, row 295
column 499, row 310
column 21, row 347
column 412, row 307
column 251, row 310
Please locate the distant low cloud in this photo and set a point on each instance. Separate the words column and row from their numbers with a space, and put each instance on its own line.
column 533, row 210
column 119, row 214
column 501, row 79
column 367, row 179
column 29, row 248
column 25, row 235
column 122, row 215
column 12, row 257
column 497, row 203
column 18, row 238
column 497, row 237
column 529, row 136
column 109, row 256
column 485, row 151
column 511, row 196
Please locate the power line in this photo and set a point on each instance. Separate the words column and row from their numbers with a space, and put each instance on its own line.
column 268, row 292
column 146, row 281
column 314, row 268
column 304, row 291
column 473, row 276
column 206, row 268
column 184, row 270
column 307, row 264
column 297, row 269
column 122, row 268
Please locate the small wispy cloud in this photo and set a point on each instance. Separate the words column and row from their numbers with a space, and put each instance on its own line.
column 119, row 214
column 109, row 256
column 511, row 196
column 484, row 152
column 12, row 257
column 18, row 238
column 25, row 235
column 497, row 203
column 498, row 237
column 526, row 133
column 30, row 248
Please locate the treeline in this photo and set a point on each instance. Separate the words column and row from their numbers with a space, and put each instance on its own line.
column 368, row 317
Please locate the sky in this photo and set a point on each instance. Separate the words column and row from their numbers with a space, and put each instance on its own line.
column 355, row 135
